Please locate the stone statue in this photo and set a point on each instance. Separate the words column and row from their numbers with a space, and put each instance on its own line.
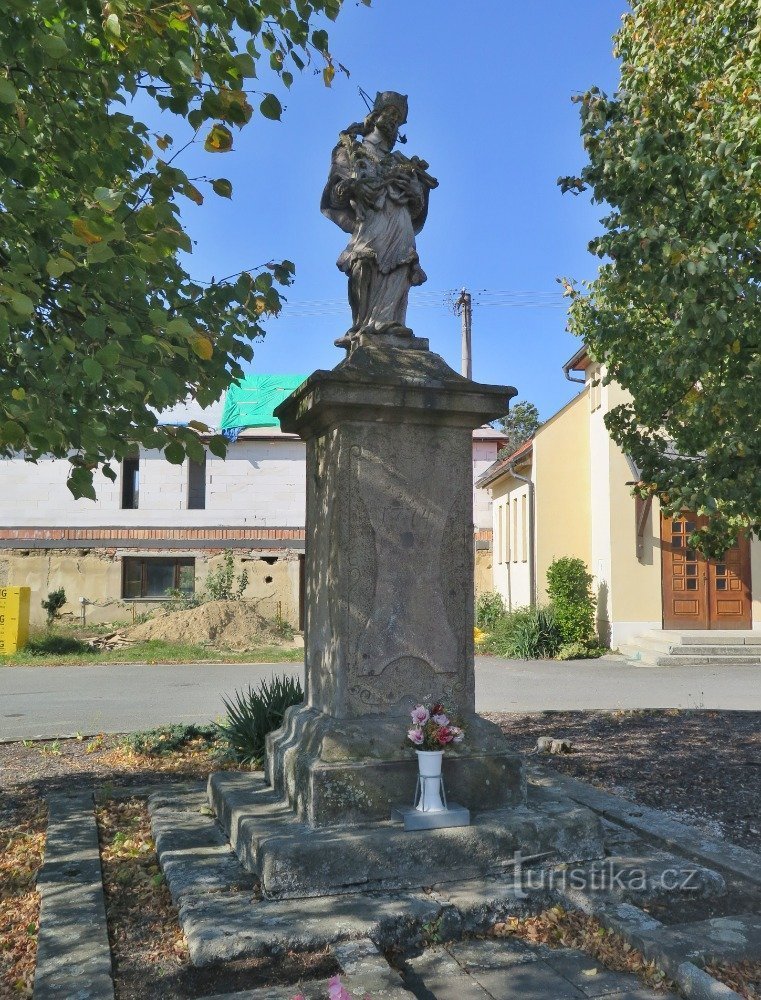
column 379, row 196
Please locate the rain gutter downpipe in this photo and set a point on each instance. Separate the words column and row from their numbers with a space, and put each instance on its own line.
column 531, row 545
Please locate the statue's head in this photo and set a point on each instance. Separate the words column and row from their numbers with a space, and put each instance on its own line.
column 389, row 113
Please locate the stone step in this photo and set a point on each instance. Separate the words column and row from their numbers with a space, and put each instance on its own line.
column 709, row 637
column 693, row 649
column 702, row 661
column 296, row 860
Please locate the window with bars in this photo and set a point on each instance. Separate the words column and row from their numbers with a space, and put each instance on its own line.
column 155, row 577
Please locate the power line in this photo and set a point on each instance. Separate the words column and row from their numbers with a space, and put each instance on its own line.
column 436, row 299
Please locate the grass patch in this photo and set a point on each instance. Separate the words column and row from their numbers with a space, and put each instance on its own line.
column 169, row 739
column 153, row 651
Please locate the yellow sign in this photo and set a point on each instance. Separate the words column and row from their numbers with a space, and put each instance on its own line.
column 14, row 619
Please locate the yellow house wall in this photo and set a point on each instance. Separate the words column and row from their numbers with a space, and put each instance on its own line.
column 510, row 566
column 636, row 603
column 562, row 478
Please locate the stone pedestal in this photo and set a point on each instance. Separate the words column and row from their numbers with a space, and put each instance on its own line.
column 389, row 624
column 389, row 585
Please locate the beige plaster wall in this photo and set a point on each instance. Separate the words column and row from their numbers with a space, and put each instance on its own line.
column 755, row 579
column 562, row 478
column 483, row 575
column 635, row 584
column 97, row 575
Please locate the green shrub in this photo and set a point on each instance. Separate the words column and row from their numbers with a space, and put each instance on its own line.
column 57, row 645
column 578, row 651
column 251, row 715
column 55, row 601
column 490, row 609
column 525, row 634
column 221, row 582
column 166, row 739
column 569, row 588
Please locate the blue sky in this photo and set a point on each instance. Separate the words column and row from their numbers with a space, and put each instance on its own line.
column 489, row 87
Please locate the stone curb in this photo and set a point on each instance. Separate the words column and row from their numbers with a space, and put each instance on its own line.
column 655, row 824
column 641, row 931
column 73, row 954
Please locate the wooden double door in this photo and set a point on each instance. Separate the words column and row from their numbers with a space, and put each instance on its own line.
column 700, row 593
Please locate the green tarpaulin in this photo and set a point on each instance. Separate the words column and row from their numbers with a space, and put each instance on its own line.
column 250, row 403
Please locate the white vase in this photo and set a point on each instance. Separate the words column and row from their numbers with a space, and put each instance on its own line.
column 429, row 781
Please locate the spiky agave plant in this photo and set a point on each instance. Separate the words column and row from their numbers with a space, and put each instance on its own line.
column 254, row 713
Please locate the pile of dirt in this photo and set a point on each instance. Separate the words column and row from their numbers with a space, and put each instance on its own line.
column 234, row 625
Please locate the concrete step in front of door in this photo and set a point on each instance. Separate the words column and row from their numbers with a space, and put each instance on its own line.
column 698, row 648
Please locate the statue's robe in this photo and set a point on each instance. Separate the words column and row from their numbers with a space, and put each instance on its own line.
column 363, row 197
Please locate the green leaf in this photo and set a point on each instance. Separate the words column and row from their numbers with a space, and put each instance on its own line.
column 92, row 369
column 57, row 266
column 55, row 46
column 174, row 453
column 80, row 483
column 8, row 93
column 218, row 445
column 185, row 60
column 20, row 303
column 11, row 432
column 112, row 26
column 108, row 198
column 222, row 187
column 18, row 394
column 271, row 108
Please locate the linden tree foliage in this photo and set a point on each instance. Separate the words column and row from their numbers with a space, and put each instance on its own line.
column 100, row 323
column 675, row 311
column 519, row 425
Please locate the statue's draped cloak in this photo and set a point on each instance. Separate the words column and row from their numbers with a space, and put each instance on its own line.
column 364, row 198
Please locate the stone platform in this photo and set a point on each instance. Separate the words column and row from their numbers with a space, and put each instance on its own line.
column 355, row 771
column 293, row 859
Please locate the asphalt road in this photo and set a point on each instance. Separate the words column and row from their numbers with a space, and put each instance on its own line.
column 45, row 702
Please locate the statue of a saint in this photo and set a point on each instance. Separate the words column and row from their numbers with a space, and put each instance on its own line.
column 379, row 196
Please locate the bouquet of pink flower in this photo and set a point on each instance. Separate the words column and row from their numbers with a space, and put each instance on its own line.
column 433, row 728
column 336, row 991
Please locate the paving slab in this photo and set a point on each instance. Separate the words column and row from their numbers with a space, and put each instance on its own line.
column 587, row 975
column 73, row 955
column 435, row 975
column 486, row 954
column 537, row 981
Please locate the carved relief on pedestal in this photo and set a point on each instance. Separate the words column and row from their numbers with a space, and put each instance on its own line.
column 400, row 646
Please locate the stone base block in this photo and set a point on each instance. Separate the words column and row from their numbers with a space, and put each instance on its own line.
column 413, row 819
column 294, row 859
column 355, row 771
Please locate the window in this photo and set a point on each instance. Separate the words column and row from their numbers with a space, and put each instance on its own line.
column 524, row 528
column 515, row 529
column 130, row 483
column 498, row 540
column 506, row 531
column 155, row 577
column 197, row 484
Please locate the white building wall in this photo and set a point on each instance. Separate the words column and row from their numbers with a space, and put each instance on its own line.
column 261, row 482
column 484, row 454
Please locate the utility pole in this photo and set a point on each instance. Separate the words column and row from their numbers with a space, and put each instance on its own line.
column 464, row 306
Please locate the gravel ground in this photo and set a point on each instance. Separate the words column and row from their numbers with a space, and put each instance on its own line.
column 704, row 767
